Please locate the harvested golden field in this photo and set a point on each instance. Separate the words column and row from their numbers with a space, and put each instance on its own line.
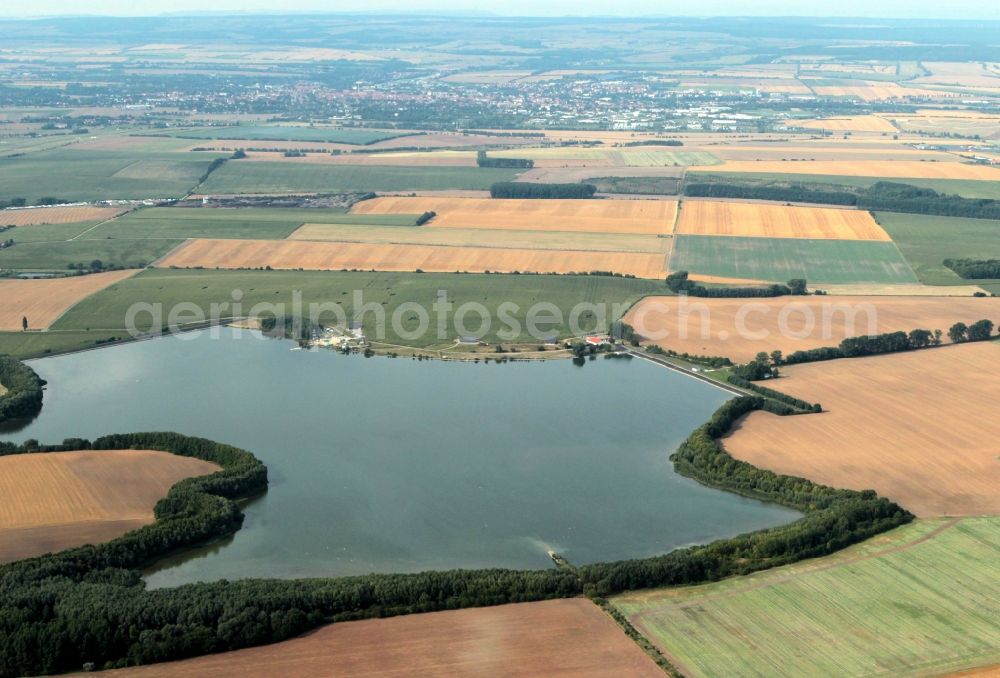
column 917, row 427
column 56, row 215
column 710, row 217
column 63, row 499
column 902, row 290
column 552, row 638
column 873, row 168
column 335, row 256
column 481, row 237
column 877, row 92
column 849, row 123
column 649, row 217
column 803, row 151
column 42, row 302
column 741, row 328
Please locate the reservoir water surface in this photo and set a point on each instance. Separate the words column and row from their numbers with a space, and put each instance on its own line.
column 396, row 465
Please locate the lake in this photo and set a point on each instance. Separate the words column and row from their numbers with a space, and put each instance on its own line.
column 397, row 465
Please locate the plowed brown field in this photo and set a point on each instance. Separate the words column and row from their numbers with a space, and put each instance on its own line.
column 552, row 638
column 741, row 328
column 651, row 217
column 43, row 301
column 63, row 499
column 707, row 217
column 334, row 256
column 918, row 427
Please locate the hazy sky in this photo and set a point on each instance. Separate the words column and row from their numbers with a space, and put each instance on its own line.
column 954, row 9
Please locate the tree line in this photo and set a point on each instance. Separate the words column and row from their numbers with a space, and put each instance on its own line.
column 679, row 282
column 833, row 518
column 425, row 217
column 533, row 191
column 654, row 142
column 508, row 163
column 975, row 268
column 885, row 196
column 87, row 608
column 892, row 342
column 23, row 398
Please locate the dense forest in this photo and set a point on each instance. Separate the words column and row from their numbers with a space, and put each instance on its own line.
column 23, row 398
column 510, row 163
column 975, row 268
column 885, row 196
column 679, row 282
column 87, row 608
column 510, row 189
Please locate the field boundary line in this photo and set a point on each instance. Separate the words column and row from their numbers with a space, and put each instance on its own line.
column 79, row 235
column 63, row 314
column 183, row 243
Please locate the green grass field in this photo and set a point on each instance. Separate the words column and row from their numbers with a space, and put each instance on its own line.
column 922, row 600
column 926, row 241
column 57, row 256
column 963, row 187
column 780, row 259
column 37, row 344
column 288, row 133
column 289, row 177
column 252, row 222
column 640, row 185
column 47, row 232
column 77, row 175
column 107, row 309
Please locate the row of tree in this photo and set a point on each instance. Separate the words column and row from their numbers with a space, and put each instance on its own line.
column 975, row 268
column 679, row 282
column 23, row 397
column 884, row 196
column 833, row 518
column 483, row 160
column 533, row 191
column 892, row 342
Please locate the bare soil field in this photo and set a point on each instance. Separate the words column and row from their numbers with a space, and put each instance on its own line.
column 849, row 123
column 63, row 499
column 335, row 256
column 649, row 217
column 42, row 302
column 56, row 215
column 709, row 217
column 918, row 427
column 479, row 237
column 741, row 328
column 551, row 638
column 889, row 168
